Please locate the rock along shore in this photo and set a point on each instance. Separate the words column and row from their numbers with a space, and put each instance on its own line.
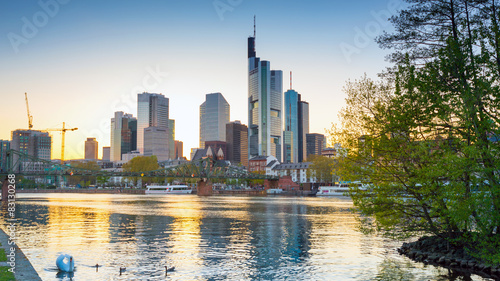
column 438, row 252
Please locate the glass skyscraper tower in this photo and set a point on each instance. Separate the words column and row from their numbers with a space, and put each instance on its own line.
column 265, row 90
column 152, row 111
column 214, row 115
column 296, row 128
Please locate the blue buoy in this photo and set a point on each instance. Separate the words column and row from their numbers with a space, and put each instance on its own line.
column 65, row 263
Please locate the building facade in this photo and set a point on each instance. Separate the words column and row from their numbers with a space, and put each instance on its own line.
column 33, row 143
column 265, row 91
column 315, row 144
column 296, row 128
column 106, row 153
column 217, row 148
column 237, row 143
column 214, row 115
column 156, row 142
column 152, row 111
column 4, row 146
column 91, row 149
column 123, row 135
column 179, row 146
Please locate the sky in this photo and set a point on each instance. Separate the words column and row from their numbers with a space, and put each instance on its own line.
column 80, row 61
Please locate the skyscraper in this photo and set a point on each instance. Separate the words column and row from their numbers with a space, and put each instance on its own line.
column 303, row 129
column 237, row 143
column 171, row 139
column 106, row 153
column 179, row 154
column 155, row 142
column 91, row 149
column 315, row 144
column 296, row 127
column 123, row 132
column 152, row 111
column 265, row 90
column 214, row 115
column 291, row 133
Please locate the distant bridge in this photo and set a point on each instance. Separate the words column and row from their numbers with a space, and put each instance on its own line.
column 25, row 165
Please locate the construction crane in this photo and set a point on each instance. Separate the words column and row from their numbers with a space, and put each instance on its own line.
column 30, row 117
column 63, row 132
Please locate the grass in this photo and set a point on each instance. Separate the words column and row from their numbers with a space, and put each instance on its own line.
column 3, row 256
column 5, row 274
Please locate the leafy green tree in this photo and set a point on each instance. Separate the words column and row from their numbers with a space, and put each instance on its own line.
column 423, row 136
column 87, row 168
column 323, row 169
column 141, row 164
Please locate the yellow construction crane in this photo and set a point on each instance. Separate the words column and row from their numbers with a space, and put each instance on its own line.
column 63, row 131
column 30, row 117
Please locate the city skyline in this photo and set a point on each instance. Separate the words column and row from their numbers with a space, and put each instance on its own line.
column 84, row 62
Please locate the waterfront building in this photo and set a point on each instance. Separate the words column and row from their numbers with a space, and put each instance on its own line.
column 123, row 135
column 4, row 146
column 237, row 143
column 265, row 92
column 152, row 111
column 262, row 164
column 91, row 149
column 297, row 171
column 130, row 155
column 329, row 152
column 179, row 154
column 156, row 142
column 33, row 143
column 193, row 153
column 315, row 144
column 106, row 153
column 214, row 115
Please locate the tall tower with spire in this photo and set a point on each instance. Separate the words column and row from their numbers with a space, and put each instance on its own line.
column 265, row 95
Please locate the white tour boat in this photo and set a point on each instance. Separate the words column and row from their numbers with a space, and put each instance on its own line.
column 169, row 189
column 341, row 189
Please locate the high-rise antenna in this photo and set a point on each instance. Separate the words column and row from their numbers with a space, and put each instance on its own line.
column 290, row 80
column 253, row 26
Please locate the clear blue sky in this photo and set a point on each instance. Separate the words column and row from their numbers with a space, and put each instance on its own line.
column 80, row 61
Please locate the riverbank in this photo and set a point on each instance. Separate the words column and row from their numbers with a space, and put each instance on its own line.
column 87, row 191
column 24, row 271
column 241, row 192
column 438, row 252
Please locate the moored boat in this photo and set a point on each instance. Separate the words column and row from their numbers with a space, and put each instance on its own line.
column 169, row 189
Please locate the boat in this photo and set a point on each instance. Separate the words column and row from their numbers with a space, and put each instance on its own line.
column 169, row 189
column 274, row 191
column 339, row 189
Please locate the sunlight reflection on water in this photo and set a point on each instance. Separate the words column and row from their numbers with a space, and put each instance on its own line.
column 214, row 238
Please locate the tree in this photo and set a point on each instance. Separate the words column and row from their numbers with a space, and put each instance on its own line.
column 322, row 168
column 422, row 136
column 80, row 167
column 142, row 164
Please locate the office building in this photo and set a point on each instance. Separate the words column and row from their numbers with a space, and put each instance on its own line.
column 296, row 127
column 33, row 143
column 123, row 135
column 171, row 139
column 152, row 111
column 156, row 142
column 106, row 153
column 4, row 146
column 179, row 154
column 91, row 149
column 265, row 92
column 237, row 143
column 214, row 115
column 315, row 144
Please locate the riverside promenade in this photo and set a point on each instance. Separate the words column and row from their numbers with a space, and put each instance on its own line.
column 24, row 271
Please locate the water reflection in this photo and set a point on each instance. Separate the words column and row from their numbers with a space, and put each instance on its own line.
column 216, row 238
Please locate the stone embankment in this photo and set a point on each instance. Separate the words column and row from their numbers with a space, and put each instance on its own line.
column 438, row 252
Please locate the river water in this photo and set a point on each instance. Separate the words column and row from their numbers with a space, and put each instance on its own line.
column 212, row 238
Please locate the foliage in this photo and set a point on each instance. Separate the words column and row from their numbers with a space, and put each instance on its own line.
column 322, row 168
column 83, row 180
column 142, row 164
column 423, row 135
